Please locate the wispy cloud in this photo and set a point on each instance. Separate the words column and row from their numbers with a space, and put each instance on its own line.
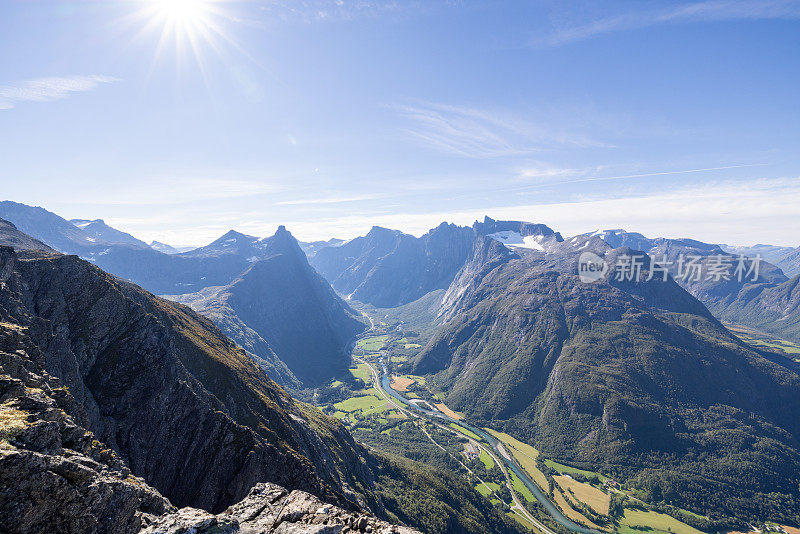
column 547, row 175
column 49, row 89
column 336, row 199
column 712, row 10
column 479, row 133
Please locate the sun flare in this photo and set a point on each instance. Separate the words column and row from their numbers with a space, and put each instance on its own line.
column 189, row 12
column 186, row 26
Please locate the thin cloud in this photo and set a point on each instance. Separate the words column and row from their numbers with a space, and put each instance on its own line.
column 49, row 89
column 713, row 10
column 328, row 200
column 477, row 133
column 564, row 172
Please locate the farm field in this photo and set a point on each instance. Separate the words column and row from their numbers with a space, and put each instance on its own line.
column 372, row 343
column 364, row 403
column 466, row 432
column 401, row 383
column 586, row 493
column 525, row 455
column 760, row 339
column 520, row 488
column 571, row 512
column 646, row 519
column 361, row 371
column 483, row 490
column 447, row 411
column 566, row 469
column 486, row 459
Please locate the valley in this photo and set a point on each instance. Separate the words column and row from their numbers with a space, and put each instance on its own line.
column 400, row 267
column 385, row 404
column 789, row 349
column 478, row 387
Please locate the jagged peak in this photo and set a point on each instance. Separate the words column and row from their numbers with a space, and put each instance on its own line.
column 232, row 236
column 282, row 242
column 382, row 230
column 238, row 235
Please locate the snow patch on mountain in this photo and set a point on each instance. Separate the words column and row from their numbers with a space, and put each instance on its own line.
column 515, row 239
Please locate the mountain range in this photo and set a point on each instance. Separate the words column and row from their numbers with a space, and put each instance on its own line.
column 388, row 268
column 786, row 258
column 119, row 253
column 769, row 302
column 117, row 406
column 261, row 292
column 636, row 377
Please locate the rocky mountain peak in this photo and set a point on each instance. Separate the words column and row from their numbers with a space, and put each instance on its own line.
column 233, row 234
column 524, row 229
column 283, row 242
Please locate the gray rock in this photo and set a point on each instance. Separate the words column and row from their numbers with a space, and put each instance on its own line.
column 272, row 509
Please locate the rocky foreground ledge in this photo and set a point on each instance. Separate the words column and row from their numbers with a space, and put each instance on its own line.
column 270, row 508
column 55, row 477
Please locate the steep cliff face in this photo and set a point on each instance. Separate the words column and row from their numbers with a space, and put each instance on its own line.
column 285, row 313
column 186, row 409
column 55, row 476
column 389, row 268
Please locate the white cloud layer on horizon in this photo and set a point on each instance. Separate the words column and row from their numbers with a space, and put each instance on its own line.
column 711, row 10
column 736, row 213
column 762, row 211
column 49, row 89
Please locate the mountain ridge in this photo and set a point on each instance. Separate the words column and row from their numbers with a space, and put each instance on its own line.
column 619, row 375
column 279, row 306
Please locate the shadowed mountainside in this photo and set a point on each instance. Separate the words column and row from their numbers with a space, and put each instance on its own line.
column 637, row 378
column 281, row 308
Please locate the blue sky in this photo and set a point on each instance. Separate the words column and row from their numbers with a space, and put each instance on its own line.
column 668, row 118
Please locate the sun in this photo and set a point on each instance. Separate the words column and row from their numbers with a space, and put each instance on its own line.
column 182, row 12
column 187, row 27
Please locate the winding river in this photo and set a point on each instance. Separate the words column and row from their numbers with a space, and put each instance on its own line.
column 511, row 464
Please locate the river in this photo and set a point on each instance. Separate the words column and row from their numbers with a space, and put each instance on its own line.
column 551, row 508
